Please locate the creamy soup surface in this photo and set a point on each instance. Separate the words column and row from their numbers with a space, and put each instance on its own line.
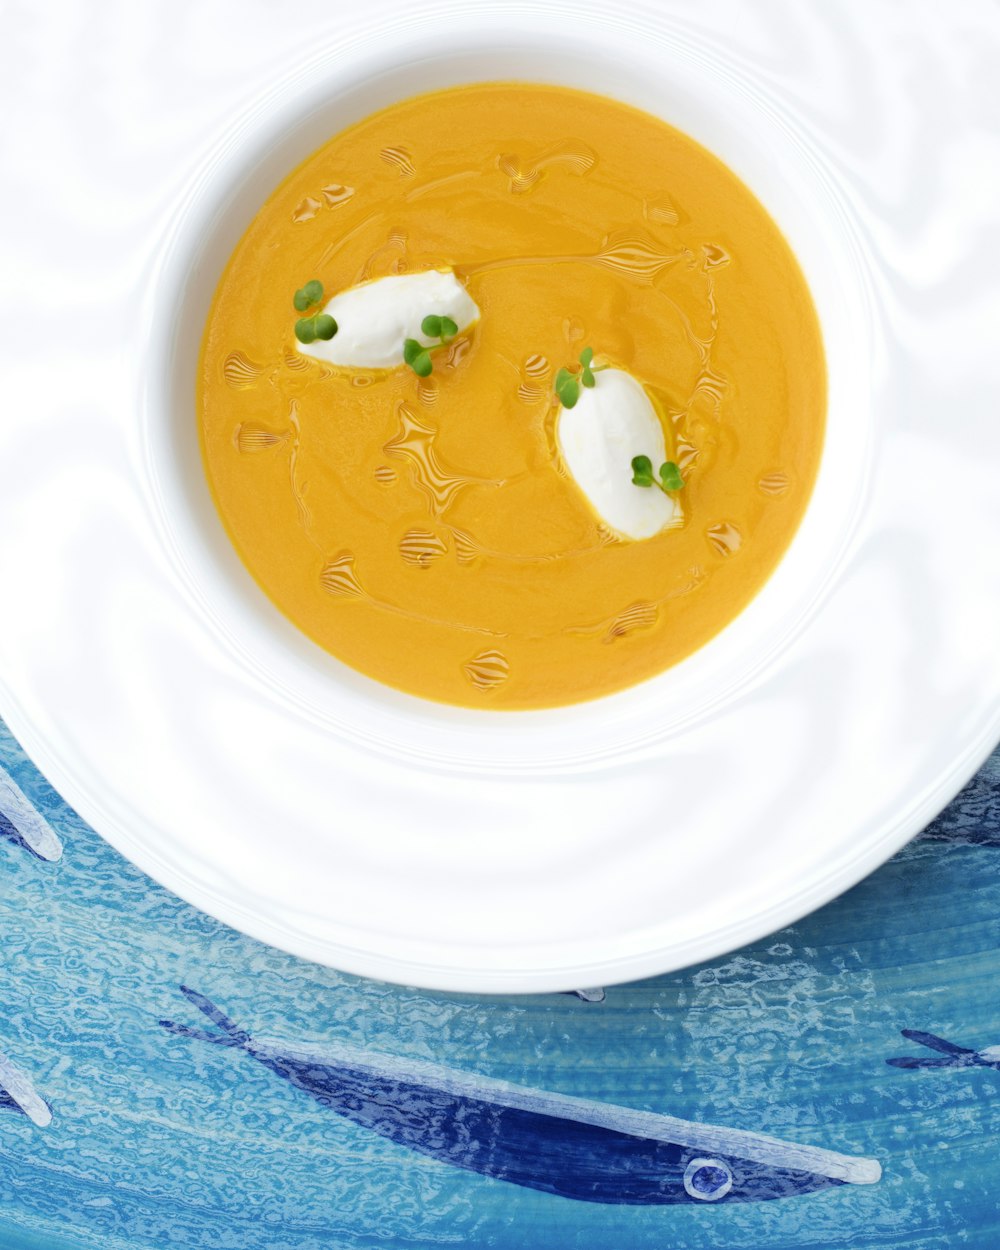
column 426, row 529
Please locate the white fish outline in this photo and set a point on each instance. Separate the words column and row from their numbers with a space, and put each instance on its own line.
column 21, row 1090
column 30, row 825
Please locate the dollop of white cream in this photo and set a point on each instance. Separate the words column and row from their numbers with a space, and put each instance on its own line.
column 374, row 318
column 612, row 422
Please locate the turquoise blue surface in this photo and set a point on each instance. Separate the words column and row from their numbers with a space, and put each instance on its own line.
column 158, row 1139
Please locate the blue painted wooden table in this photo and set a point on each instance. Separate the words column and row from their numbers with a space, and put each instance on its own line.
column 165, row 1081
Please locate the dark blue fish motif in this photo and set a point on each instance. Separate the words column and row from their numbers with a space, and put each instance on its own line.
column 948, row 1054
column 22, row 822
column 18, row 1094
column 561, row 1145
column 973, row 817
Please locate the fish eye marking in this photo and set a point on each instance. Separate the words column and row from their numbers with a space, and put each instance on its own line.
column 707, row 1180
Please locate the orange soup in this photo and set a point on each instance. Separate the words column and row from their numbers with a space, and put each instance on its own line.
column 423, row 526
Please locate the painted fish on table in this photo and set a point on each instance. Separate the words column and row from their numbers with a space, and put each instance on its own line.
column 973, row 817
column 18, row 1094
column 573, row 1147
column 22, row 822
column 948, row 1054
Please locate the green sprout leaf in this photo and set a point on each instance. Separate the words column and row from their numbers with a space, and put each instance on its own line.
column 587, row 374
column 568, row 381
column 431, row 326
column 670, row 476
column 320, row 326
column 567, row 388
column 418, row 358
column 436, row 327
column 416, row 355
column 305, row 297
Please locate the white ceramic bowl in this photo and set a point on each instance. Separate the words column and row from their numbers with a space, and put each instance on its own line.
column 290, row 124
column 286, row 794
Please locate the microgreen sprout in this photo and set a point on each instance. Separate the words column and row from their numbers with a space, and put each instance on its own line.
column 568, row 382
column 442, row 328
column 416, row 355
column 319, row 325
column 308, row 295
column 669, row 478
column 587, row 374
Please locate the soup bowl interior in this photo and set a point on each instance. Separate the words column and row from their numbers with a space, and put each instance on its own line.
column 321, row 99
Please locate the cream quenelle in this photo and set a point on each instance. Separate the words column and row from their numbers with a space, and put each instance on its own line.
column 374, row 319
column 610, row 424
